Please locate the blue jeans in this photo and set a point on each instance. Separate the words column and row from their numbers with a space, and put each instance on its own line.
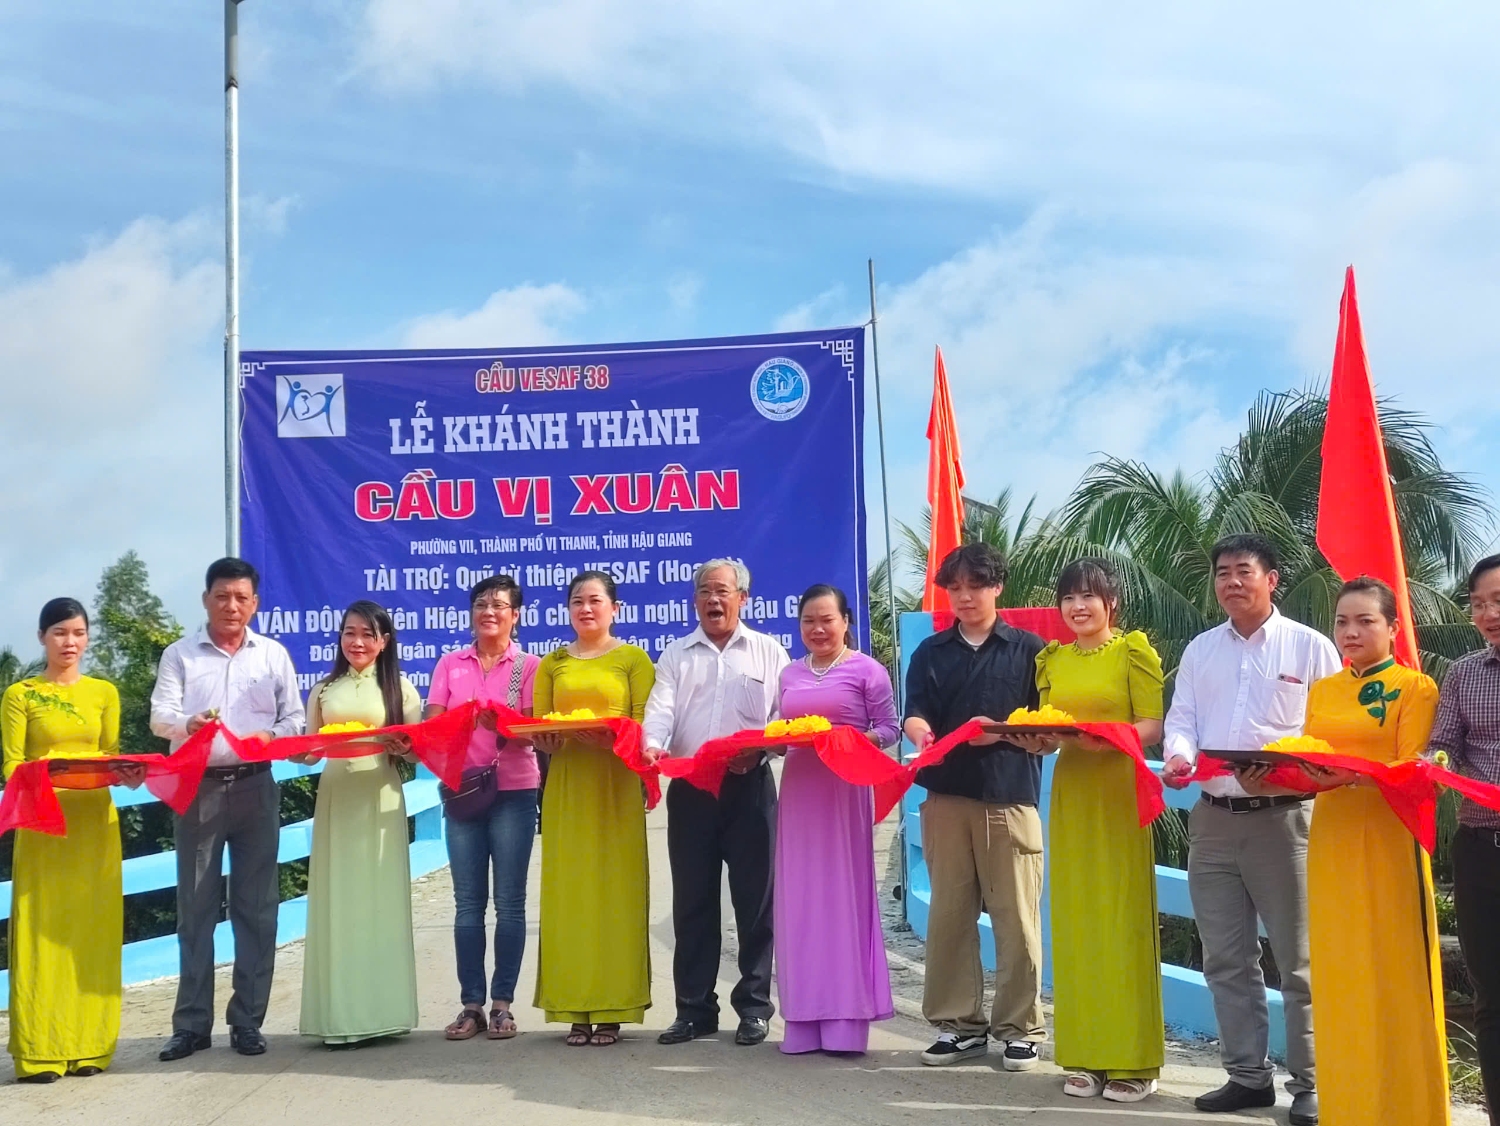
column 500, row 840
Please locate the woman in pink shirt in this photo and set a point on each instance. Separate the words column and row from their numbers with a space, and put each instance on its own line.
column 491, row 820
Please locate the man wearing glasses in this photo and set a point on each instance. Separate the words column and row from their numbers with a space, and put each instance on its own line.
column 1468, row 729
column 719, row 679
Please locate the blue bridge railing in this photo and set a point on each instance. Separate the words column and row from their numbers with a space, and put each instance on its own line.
column 1186, row 1001
column 152, row 958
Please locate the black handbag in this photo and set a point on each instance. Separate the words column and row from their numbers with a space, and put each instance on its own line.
column 477, row 790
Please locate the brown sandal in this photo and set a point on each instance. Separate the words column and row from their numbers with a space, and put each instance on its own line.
column 605, row 1035
column 499, row 1018
column 579, row 1035
column 469, row 1024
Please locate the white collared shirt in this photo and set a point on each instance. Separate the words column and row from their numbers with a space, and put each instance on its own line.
column 255, row 689
column 703, row 692
column 1236, row 693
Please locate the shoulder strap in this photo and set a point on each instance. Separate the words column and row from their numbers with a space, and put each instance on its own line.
column 513, row 693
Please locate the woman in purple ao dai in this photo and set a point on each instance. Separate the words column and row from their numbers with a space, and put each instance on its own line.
column 831, row 974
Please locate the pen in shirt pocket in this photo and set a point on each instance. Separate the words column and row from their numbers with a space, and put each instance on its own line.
column 1288, row 678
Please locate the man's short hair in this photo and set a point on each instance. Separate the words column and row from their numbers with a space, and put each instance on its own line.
column 741, row 573
column 981, row 563
column 1483, row 567
column 1257, row 547
column 230, row 569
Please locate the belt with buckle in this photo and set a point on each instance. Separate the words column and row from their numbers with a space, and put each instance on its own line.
column 235, row 773
column 1252, row 805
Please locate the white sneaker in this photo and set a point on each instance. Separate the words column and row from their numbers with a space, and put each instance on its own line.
column 950, row 1047
column 1020, row 1055
column 1129, row 1090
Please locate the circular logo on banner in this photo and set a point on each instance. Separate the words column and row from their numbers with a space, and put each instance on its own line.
column 780, row 389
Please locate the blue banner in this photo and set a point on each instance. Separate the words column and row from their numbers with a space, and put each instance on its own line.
column 406, row 477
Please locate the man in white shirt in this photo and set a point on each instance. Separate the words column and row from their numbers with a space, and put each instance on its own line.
column 1240, row 686
column 227, row 671
column 721, row 678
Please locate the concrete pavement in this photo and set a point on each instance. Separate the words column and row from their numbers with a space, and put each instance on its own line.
column 535, row 1080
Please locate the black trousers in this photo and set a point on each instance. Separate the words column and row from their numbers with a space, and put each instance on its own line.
column 704, row 833
column 1476, row 896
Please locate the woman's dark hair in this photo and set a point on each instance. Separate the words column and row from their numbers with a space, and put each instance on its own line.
column 840, row 599
column 61, row 610
column 1262, row 550
column 1484, row 566
column 1091, row 576
column 1385, row 597
column 230, row 569
column 980, row 563
column 387, row 665
column 596, row 576
column 498, row 582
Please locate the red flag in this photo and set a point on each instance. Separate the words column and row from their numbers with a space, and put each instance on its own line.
column 945, row 483
column 1357, row 529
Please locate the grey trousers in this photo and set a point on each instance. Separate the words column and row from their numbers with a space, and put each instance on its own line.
column 1244, row 866
column 245, row 815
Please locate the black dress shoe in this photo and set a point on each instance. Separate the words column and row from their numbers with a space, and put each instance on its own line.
column 182, row 1045
column 88, row 1071
column 1304, row 1109
column 247, row 1041
column 752, row 1030
column 1235, row 1096
column 681, row 1031
column 39, row 1077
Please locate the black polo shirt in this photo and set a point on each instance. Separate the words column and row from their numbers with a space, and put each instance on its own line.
column 949, row 682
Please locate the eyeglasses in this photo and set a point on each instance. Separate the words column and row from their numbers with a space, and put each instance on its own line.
column 495, row 604
column 1480, row 608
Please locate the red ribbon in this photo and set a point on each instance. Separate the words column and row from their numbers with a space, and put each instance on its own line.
column 859, row 762
column 628, row 744
column 29, row 800
column 1409, row 787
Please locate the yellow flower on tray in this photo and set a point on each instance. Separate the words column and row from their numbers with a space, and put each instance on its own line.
column 1044, row 716
column 570, row 717
column 343, row 728
column 1299, row 745
column 804, row 725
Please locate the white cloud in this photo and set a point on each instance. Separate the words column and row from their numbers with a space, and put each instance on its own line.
column 270, row 216
column 525, row 315
column 111, row 364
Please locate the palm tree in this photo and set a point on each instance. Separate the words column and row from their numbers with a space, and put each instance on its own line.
column 13, row 669
column 1159, row 530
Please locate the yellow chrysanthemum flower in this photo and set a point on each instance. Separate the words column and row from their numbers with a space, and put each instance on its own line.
column 1299, row 745
column 1441, row 758
column 343, row 728
column 1044, row 716
column 803, row 725
column 570, row 717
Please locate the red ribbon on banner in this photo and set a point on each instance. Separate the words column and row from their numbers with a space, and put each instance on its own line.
column 628, row 746
column 1409, row 787
column 30, row 798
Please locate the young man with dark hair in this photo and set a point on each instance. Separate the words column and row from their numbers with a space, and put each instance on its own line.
column 981, row 834
column 227, row 671
column 1468, row 728
column 1240, row 686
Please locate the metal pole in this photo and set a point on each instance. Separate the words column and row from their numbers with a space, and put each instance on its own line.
column 231, row 278
column 885, row 501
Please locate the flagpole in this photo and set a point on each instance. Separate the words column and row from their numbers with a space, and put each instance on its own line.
column 885, row 502
column 231, row 278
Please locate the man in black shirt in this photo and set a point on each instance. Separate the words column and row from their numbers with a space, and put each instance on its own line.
column 981, row 833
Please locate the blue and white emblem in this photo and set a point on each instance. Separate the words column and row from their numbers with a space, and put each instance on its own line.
column 780, row 389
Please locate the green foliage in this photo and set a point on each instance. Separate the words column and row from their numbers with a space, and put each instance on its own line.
column 13, row 669
column 132, row 629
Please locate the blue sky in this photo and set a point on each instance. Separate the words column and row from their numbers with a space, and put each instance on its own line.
column 1119, row 227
